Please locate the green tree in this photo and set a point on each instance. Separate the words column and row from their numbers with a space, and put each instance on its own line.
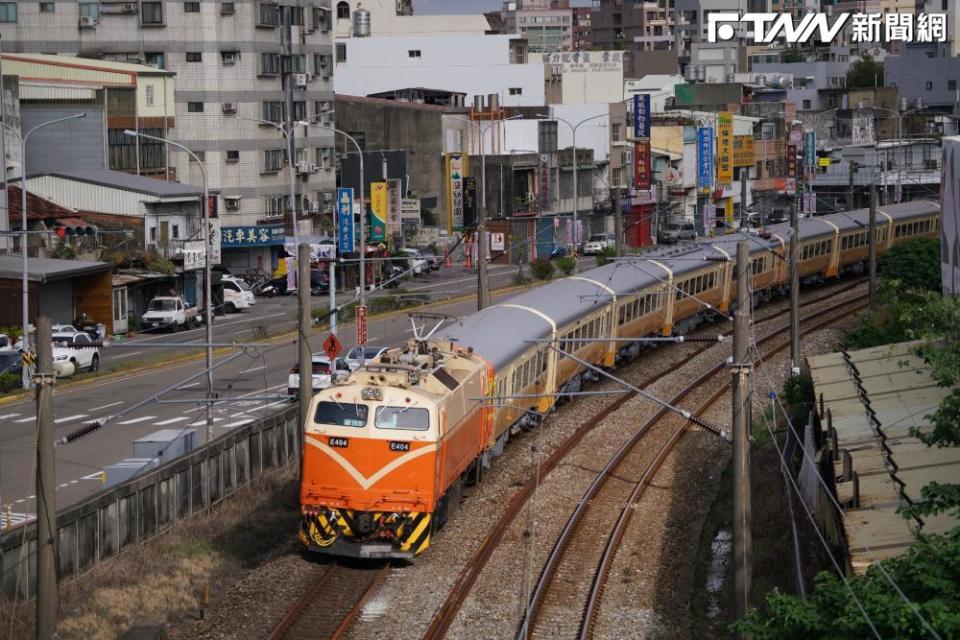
column 914, row 264
column 865, row 72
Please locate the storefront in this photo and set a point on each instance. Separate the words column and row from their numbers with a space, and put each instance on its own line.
column 252, row 249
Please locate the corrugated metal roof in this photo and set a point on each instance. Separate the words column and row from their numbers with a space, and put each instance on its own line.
column 45, row 270
column 129, row 182
column 900, row 391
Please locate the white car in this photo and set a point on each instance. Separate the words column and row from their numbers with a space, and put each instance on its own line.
column 322, row 377
column 416, row 261
column 73, row 352
column 597, row 243
column 369, row 353
column 237, row 294
column 64, row 328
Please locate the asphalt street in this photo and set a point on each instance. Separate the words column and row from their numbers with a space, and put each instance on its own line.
column 250, row 386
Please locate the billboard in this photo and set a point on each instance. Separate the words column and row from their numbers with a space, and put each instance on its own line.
column 743, row 153
column 642, row 170
column 345, row 219
column 410, row 210
column 456, row 172
column 394, row 199
column 950, row 217
column 213, row 240
column 378, row 211
column 724, row 148
column 641, row 115
column 705, row 157
column 251, row 236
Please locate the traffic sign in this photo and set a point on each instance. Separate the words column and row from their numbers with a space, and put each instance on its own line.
column 332, row 346
column 361, row 325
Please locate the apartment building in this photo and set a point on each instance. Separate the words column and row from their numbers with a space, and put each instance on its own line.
column 228, row 63
column 632, row 26
column 546, row 24
column 581, row 29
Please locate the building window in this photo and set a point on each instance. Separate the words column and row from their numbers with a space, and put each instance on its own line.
column 194, row 56
column 149, row 94
column 8, row 11
column 296, row 16
column 48, row 7
column 122, row 151
column 275, row 206
column 516, row 91
column 153, row 235
column 227, row 8
column 272, row 160
column 90, row 10
column 229, row 57
column 341, row 52
column 191, row 7
column 951, row 85
column 269, row 64
column 321, row 65
column 414, row 53
column 151, row 13
column 617, row 133
column 233, row 155
column 155, row 59
column 299, row 111
column 175, row 231
column 268, row 15
column 273, row 111
column 298, row 63
column 929, row 85
column 343, row 11
column 806, row 104
column 194, row 107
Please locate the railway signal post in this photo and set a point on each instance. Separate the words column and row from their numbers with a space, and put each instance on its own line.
column 794, row 290
column 742, row 538
column 46, row 485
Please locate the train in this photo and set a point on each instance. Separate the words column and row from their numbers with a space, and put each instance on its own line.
column 387, row 451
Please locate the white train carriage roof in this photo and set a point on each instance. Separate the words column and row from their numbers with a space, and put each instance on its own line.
column 857, row 219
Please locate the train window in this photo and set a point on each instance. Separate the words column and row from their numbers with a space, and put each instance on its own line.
column 408, row 418
column 341, row 414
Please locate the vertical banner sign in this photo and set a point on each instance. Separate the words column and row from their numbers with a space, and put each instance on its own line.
column 810, row 150
column 544, row 182
column 213, row 241
column 378, row 211
column 641, row 115
column 791, row 161
column 456, row 172
column 724, row 148
column 345, row 219
column 394, row 199
column 469, row 203
column 642, row 171
column 705, row 157
column 361, row 325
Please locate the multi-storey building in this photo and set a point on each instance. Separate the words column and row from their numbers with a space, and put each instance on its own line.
column 581, row 29
column 633, row 27
column 546, row 24
column 229, row 65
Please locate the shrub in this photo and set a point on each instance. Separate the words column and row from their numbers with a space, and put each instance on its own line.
column 542, row 269
column 914, row 263
column 9, row 382
column 567, row 265
column 14, row 331
column 799, row 398
column 605, row 256
column 520, row 278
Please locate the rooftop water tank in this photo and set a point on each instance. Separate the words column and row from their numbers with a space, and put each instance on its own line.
column 361, row 23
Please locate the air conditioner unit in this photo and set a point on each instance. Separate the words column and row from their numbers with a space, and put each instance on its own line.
column 229, row 107
column 312, row 167
column 303, row 166
column 129, row 7
column 328, row 196
column 309, row 77
column 232, row 203
column 300, row 79
column 88, row 22
column 229, row 57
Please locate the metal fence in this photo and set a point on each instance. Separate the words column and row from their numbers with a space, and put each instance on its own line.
column 102, row 526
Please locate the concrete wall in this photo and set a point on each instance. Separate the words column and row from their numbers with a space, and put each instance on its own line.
column 67, row 146
column 932, row 85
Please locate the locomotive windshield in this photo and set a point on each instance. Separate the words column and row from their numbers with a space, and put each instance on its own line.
column 341, row 414
column 402, row 418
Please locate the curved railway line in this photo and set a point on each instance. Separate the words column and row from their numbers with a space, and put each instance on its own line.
column 447, row 612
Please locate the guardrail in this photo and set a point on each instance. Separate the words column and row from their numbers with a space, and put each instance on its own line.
column 103, row 525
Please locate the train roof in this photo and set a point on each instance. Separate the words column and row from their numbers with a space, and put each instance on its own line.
column 858, row 218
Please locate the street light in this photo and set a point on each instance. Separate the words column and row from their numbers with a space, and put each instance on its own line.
column 293, row 182
column 576, row 193
column 898, row 114
column 23, row 224
column 208, row 287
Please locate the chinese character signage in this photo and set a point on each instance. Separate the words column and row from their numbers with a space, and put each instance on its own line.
column 394, row 196
column 193, row 255
column 641, row 115
column 642, row 171
column 456, row 171
column 378, row 211
column 810, row 151
column 705, row 157
column 544, row 182
column 724, row 148
column 743, row 154
column 410, row 210
column 791, row 161
column 469, row 203
column 345, row 219
column 251, row 236
column 214, row 241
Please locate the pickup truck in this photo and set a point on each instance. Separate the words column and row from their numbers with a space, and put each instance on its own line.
column 169, row 312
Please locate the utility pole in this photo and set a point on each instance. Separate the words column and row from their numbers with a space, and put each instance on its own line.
column 744, row 176
column 742, row 538
column 618, row 221
column 851, row 193
column 872, row 247
column 305, row 357
column 794, row 290
column 46, row 486
column 333, row 297
column 483, row 285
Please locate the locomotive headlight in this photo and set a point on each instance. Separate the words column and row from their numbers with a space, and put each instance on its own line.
column 371, row 393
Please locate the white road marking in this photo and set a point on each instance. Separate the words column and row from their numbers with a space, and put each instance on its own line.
column 236, row 333
column 187, row 386
column 93, row 476
column 112, row 404
column 252, row 369
column 284, row 401
column 216, row 325
column 127, row 355
column 69, row 418
column 170, row 421
column 9, row 415
column 237, row 424
column 201, row 423
column 136, row 420
column 30, row 419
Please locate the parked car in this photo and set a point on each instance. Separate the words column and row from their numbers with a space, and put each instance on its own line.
column 237, row 294
column 687, row 232
column 598, row 242
column 7, row 343
column 668, row 233
column 169, row 312
column 369, row 353
column 11, row 362
column 64, row 328
column 319, row 281
column 322, row 377
column 416, row 261
column 73, row 352
column 434, row 262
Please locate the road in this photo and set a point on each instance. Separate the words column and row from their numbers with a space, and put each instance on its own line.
column 242, row 383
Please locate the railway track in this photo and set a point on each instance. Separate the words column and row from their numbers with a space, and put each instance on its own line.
column 445, row 615
column 331, row 603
